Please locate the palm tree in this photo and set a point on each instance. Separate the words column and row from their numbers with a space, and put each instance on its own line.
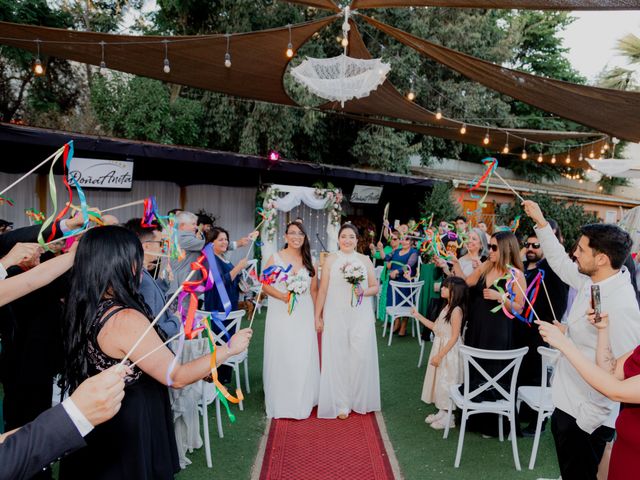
column 621, row 78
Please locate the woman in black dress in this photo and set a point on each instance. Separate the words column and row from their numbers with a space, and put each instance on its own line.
column 105, row 316
column 488, row 330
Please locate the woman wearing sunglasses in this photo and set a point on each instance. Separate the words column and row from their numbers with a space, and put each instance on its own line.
column 486, row 329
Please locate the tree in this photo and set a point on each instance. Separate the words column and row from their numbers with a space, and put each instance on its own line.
column 440, row 203
column 570, row 217
column 21, row 93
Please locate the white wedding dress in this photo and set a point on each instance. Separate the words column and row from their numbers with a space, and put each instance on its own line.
column 349, row 379
column 291, row 370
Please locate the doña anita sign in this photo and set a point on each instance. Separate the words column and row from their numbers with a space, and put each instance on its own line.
column 95, row 173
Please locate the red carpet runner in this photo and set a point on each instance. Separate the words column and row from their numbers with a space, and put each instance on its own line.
column 316, row 449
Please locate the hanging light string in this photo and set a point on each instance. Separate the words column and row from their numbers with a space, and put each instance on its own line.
column 463, row 128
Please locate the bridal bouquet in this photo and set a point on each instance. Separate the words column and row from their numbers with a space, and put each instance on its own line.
column 354, row 274
column 296, row 285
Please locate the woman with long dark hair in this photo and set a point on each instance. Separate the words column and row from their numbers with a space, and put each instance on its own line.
column 494, row 330
column 105, row 316
column 291, row 371
column 349, row 379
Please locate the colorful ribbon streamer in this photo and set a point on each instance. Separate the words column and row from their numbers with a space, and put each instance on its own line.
column 6, row 200
column 491, row 164
column 171, row 245
column 531, row 293
column 35, row 216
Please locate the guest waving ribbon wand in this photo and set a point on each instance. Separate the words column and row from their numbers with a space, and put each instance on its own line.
column 270, row 275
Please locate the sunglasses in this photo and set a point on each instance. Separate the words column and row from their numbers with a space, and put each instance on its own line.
column 493, row 247
column 532, row 245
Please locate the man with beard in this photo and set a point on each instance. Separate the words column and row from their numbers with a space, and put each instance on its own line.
column 548, row 308
column 583, row 420
column 153, row 290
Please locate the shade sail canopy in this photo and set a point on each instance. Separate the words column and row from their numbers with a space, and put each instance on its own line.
column 611, row 111
column 387, row 101
column 508, row 4
column 327, row 4
column 258, row 58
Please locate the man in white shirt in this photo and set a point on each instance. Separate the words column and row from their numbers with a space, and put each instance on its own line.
column 583, row 421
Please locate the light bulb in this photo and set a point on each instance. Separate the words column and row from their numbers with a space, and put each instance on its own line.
column 540, row 159
column 553, row 159
column 600, row 188
column 606, row 146
column 505, row 149
column 344, row 42
column 166, row 68
column 601, row 150
column 338, row 39
column 588, row 170
column 568, row 159
column 289, row 50
column 580, row 157
column 524, row 155
column 568, row 169
column 103, row 68
column 580, row 181
column 486, row 139
column 411, row 96
column 227, row 60
column 463, row 129
column 38, row 69
column 591, row 154
column 438, row 114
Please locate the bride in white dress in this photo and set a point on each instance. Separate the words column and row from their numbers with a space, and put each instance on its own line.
column 291, row 370
column 349, row 379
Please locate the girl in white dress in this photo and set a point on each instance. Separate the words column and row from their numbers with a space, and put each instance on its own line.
column 445, row 366
column 349, row 378
column 291, row 370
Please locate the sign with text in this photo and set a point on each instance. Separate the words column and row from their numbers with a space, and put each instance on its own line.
column 365, row 194
column 95, row 173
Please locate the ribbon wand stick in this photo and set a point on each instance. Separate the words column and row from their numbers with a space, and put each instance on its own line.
column 160, row 313
column 46, row 160
column 515, row 280
column 508, row 186
column 255, row 309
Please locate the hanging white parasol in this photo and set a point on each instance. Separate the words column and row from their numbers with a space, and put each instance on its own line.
column 341, row 78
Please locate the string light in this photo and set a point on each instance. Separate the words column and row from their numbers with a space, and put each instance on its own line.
column 103, row 64
column 38, row 69
column 505, row 149
column 581, row 156
column 606, row 146
column 591, row 154
column 553, row 158
column 580, row 181
column 439, row 114
column 486, row 138
column 344, row 42
column 411, row 95
column 289, row 45
column 166, row 67
column 463, row 129
column 524, row 150
column 227, row 56
column 540, row 159
column 600, row 187
column 568, row 159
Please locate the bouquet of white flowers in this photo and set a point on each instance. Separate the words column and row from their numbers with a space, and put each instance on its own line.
column 296, row 285
column 354, row 274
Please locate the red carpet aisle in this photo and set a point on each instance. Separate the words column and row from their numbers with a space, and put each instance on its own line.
column 315, row 449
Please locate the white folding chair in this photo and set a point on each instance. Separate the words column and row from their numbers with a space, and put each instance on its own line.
column 234, row 320
column 404, row 297
column 378, row 273
column 209, row 394
column 539, row 398
column 503, row 407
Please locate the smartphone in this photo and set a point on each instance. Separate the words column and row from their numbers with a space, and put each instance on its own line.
column 595, row 301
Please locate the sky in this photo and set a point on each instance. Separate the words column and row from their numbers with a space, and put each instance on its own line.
column 592, row 38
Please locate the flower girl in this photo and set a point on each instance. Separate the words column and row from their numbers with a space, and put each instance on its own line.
column 444, row 368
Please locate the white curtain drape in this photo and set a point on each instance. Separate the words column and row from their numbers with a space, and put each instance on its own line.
column 233, row 207
column 24, row 196
column 294, row 197
column 617, row 167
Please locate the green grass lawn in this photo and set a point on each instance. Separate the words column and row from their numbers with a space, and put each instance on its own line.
column 421, row 451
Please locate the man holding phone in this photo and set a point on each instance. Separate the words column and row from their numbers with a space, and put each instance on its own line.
column 583, row 420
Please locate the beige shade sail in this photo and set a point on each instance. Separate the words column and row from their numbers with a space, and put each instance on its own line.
column 326, row 4
column 614, row 112
column 508, row 4
column 258, row 59
column 387, row 101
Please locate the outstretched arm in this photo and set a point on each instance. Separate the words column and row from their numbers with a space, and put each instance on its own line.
column 627, row 391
